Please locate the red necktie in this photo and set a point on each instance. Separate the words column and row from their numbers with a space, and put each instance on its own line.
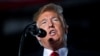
column 54, row 54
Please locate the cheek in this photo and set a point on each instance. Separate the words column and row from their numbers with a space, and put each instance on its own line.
column 43, row 40
column 60, row 29
column 44, row 26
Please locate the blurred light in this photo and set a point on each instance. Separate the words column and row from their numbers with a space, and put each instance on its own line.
column 13, row 26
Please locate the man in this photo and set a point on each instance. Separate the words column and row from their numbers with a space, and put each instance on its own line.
column 50, row 19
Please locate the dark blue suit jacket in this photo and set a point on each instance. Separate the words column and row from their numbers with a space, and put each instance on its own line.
column 71, row 52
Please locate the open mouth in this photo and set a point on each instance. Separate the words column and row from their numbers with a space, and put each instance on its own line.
column 52, row 32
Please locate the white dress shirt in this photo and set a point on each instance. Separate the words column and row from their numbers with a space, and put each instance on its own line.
column 62, row 52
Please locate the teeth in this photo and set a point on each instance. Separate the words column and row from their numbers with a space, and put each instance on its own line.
column 52, row 32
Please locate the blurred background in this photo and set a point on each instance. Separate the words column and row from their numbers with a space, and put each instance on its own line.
column 82, row 16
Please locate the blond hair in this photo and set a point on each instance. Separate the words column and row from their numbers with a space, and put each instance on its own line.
column 51, row 7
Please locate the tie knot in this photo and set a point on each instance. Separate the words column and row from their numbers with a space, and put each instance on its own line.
column 54, row 54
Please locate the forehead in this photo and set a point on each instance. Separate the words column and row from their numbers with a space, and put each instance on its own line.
column 47, row 14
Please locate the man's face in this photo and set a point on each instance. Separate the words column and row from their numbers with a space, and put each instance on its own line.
column 51, row 23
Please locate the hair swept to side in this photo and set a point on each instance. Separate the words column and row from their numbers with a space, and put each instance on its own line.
column 48, row 7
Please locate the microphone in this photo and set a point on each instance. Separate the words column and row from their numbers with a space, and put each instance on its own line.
column 35, row 31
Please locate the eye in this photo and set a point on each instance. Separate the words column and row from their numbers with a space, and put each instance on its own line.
column 55, row 19
column 43, row 22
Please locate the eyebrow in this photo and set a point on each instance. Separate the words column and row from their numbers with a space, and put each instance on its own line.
column 42, row 20
column 54, row 17
column 45, row 19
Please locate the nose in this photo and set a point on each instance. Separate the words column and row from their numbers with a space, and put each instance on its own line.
column 51, row 24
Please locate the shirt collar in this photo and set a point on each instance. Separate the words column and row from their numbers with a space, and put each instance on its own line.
column 47, row 52
column 62, row 51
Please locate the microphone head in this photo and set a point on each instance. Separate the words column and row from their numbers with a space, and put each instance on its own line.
column 34, row 30
column 42, row 33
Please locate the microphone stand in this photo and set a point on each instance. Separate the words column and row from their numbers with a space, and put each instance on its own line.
column 23, row 36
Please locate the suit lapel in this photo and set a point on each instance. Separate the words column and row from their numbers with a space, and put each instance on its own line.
column 40, row 52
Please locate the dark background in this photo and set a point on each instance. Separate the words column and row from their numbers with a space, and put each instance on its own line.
column 82, row 17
